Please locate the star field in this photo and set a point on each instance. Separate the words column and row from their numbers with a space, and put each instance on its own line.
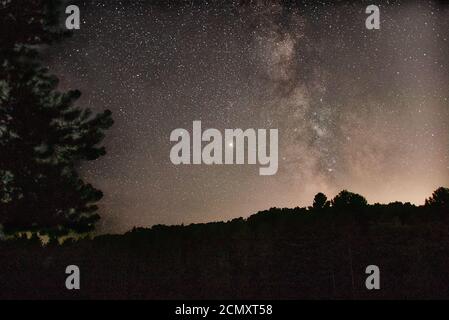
column 357, row 109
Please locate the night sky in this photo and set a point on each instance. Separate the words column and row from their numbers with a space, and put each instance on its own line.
column 357, row 109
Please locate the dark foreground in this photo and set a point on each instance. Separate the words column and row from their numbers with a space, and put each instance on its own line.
column 297, row 253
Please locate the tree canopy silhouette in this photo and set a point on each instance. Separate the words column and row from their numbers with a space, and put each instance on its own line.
column 320, row 201
column 43, row 136
column 349, row 201
column 439, row 199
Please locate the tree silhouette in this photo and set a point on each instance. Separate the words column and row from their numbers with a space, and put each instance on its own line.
column 349, row 201
column 320, row 201
column 439, row 199
column 43, row 136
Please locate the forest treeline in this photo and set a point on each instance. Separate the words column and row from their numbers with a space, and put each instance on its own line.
column 320, row 252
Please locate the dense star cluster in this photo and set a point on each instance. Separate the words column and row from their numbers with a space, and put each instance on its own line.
column 364, row 110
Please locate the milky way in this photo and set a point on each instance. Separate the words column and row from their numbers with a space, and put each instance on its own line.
column 357, row 109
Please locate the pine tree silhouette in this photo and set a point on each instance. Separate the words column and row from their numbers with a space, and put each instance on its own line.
column 43, row 135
